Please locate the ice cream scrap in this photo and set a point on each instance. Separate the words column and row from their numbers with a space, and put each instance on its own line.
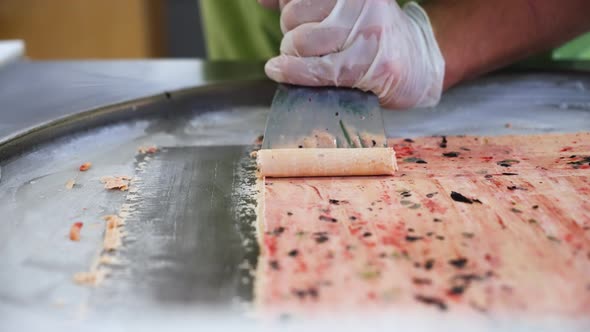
column 75, row 231
column 148, row 149
column 85, row 166
column 70, row 184
column 116, row 182
column 112, row 240
column 113, row 234
column 91, row 278
column 108, row 260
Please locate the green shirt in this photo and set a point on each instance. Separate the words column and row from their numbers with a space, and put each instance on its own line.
column 244, row 30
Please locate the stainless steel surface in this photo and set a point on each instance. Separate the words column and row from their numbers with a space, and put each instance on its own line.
column 527, row 102
column 187, row 261
column 190, row 241
column 331, row 117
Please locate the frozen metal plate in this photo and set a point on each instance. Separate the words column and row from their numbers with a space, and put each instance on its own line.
column 502, row 104
column 189, row 241
column 189, row 253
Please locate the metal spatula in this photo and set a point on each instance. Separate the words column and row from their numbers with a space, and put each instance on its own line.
column 303, row 117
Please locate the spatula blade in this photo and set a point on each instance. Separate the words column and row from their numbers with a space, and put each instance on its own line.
column 306, row 117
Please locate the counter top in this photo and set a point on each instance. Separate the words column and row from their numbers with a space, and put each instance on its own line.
column 34, row 92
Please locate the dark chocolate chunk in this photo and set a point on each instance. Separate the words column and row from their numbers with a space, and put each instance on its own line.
column 409, row 140
column 443, row 143
column 367, row 234
column 353, row 218
column 429, row 264
column 294, row 253
column 274, row 265
column 509, row 174
column 467, row 278
column 313, row 292
column 456, row 290
column 437, row 220
column 328, row 219
column 431, row 300
column 457, row 197
column 535, row 207
column 278, row 231
column 516, row 188
column 451, row 154
column 415, row 160
column 414, row 206
column 507, row 162
column 289, row 213
column 321, row 239
column 421, row 281
column 576, row 164
column 410, row 238
column 458, row 262
column 300, row 293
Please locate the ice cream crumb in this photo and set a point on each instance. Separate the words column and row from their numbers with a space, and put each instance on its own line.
column 148, row 149
column 116, row 182
column 85, row 166
column 70, row 184
column 92, row 278
column 75, row 231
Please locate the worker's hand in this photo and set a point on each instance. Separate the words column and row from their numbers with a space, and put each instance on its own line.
column 372, row 45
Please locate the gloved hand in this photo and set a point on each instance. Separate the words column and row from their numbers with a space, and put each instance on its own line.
column 271, row 4
column 372, row 45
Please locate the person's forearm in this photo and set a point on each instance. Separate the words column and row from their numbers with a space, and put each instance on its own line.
column 477, row 36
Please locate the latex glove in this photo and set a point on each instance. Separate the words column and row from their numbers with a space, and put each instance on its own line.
column 273, row 4
column 372, row 45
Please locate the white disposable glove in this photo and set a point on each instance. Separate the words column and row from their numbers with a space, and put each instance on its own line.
column 372, row 45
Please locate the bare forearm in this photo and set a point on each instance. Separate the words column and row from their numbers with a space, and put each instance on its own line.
column 477, row 36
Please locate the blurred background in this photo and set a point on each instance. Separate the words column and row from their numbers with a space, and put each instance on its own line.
column 104, row 29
